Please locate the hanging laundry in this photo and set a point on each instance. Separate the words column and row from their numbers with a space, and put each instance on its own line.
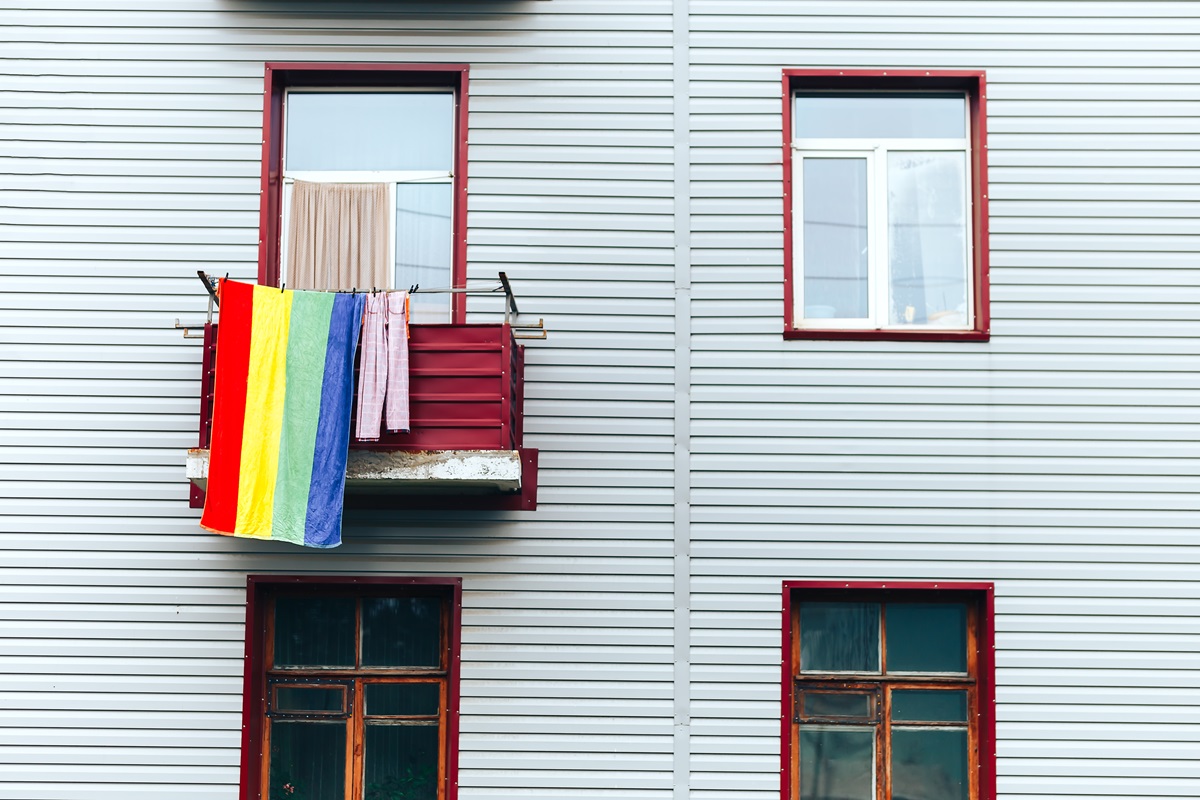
column 372, row 369
column 281, row 413
column 383, row 367
column 397, row 352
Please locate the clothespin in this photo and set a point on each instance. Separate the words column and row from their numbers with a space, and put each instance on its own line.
column 281, row 287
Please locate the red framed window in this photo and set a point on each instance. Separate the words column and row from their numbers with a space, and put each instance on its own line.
column 351, row 688
column 885, row 194
column 888, row 691
column 331, row 132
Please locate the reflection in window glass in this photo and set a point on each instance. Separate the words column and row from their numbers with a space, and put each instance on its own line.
column 401, row 632
column 369, row 131
column 917, row 705
column 402, row 699
column 895, row 116
column 401, row 761
column 929, row 764
column 310, row 758
column 310, row 699
column 927, row 637
column 927, row 238
column 314, row 632
column 839, row 637
column 835, row 238
column 837, row 704
column 837, row 763
column 424, row 240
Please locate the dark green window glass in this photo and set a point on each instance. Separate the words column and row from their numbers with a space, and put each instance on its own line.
column 401, row 632
column 837, row 763
column 401, row 761
column 838, row 704
column 919, row 705
column 299, row 699
column 926, row 637
column 314, row 632
column 308, row 760
column 929, row 764
column 402, row 699
column 839, row 637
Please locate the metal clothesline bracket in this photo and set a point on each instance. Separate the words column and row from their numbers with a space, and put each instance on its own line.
column 187, row 331
column 530, row 330
column 511, row 300
column 210, row 286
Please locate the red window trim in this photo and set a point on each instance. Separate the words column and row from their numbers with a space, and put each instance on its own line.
column 283, row 75
column 982, row 594
column 254, row 688
column 974, row 83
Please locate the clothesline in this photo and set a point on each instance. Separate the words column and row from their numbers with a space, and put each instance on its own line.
column 520, row 330
column 510, row 308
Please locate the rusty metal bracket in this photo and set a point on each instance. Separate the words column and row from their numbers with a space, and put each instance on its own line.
column 187, row 330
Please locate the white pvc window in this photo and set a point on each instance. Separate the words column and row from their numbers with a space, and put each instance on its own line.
column 881, row 212
column 402, row 138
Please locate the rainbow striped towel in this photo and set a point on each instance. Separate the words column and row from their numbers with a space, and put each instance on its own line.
column 281, row 414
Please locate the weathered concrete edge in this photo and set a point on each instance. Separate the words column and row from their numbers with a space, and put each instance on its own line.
column 475, row 468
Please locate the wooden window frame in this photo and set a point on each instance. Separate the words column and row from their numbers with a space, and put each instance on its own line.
column 979, row 682
column 971, row 82
column 258, row 680
column 280, row 76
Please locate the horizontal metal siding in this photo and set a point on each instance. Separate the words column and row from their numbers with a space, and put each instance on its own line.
column 1057, row 460
column 129, row 158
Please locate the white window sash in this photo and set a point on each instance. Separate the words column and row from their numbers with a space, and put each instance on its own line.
column 365, row 176
column 876, row 144
column 842, row 323
column 875, row 152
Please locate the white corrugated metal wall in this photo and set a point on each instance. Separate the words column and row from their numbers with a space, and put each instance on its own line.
column 129, row 157
column 1057, row 460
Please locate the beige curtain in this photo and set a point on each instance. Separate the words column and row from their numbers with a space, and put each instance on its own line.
column 338, row 236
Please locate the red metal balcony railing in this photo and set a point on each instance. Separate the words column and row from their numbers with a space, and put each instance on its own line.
column 466, row 390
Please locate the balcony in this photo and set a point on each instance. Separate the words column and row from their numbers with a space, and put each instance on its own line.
column 465, row 448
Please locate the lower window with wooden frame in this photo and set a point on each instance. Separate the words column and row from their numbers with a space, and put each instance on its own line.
column 351, row 688
column 888, row 691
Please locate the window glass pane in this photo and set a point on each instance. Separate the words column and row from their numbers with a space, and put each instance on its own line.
column 401, row 761
column 924, row 637
column 927, row 238
column 314, row 632
column 423, row 246
column 369, row 131
column 835, row 238
column 310, row 698
column 837, row 764
column 894, row 116
column 403, row 699
column 839, row 637
column 929, row 764
column 308, row 760
column 919, row 705
column 837, row 704
column 402, row 632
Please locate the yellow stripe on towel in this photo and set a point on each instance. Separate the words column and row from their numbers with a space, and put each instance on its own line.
column 265, row 390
